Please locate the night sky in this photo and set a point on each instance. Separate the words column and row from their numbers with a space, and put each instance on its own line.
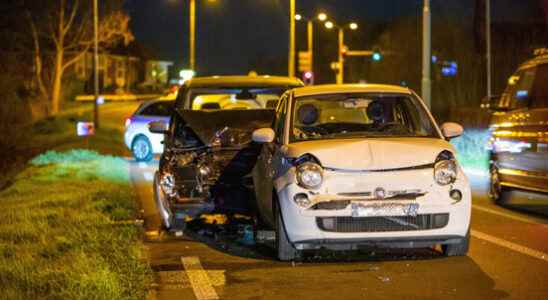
column 233, row 35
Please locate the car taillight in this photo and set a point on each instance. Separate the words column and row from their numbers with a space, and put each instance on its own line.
column 128, row 122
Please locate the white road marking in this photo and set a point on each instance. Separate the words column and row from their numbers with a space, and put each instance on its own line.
column 510, row 216
column 142, row 165
column 148, row 176
column 509, row 245
column 201, row 284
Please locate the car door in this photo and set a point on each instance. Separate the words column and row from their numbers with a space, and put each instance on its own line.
column 264, row 172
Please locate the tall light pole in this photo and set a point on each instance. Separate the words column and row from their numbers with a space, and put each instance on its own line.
column 291, row 59
column 340, row 62
column 96, row 64
column 192, row 36
column 488, row 43
column 310, row 39
column 426, row 54
column 340, row 71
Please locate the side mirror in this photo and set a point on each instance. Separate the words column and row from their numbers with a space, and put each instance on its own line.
column 451, row 130
column 263, row 135
column 492, row 104
column 159, row 127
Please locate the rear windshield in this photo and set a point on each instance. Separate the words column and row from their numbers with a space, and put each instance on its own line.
column 162, row 109
column 233, row 98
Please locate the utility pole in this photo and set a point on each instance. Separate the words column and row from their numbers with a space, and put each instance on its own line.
column 426, row 54
column 291, row 59
column 96, row 64
column 310, row 31
column 488, row 43
column 340, row 73
column 192, row 43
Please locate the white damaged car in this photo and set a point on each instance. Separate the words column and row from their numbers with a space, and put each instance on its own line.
column 351, row 165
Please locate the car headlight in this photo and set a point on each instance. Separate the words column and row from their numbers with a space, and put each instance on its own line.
column 309, row 175
column 167, row 183
column 445, row 171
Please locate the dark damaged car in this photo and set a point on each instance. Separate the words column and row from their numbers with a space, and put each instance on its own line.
column 209, row 154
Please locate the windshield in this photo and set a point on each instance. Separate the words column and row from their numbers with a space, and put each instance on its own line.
column 234, row 98
column 359, row 115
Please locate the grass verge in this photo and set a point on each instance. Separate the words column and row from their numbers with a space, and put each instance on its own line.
column 60, row 237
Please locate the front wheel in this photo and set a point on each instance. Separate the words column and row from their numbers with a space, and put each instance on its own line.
column 459, row 249
column 286, row 251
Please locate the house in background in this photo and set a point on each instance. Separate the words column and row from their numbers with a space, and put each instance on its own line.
column 125, row 70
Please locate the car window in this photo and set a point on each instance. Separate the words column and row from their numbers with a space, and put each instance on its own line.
column 522, row 92
column 539, row 98
column 158, row 109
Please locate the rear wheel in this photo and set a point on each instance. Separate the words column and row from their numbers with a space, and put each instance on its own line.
column 459, row 249
column 142, row 149
column 286, row 251
column 495, row 188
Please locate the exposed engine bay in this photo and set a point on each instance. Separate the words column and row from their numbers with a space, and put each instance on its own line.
column 208, row 160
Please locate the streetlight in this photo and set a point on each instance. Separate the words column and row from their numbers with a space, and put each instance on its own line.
column 340, row 69
column 322, row 17
column 426, row 54
column 192, row 35
column 96, row 64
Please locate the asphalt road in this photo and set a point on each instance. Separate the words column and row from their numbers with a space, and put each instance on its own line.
column 508, row 258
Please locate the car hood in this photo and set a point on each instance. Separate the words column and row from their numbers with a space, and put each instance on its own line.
column 226, row 127
column 372, row 153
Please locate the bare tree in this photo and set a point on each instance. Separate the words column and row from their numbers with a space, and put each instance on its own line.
column 62, row 34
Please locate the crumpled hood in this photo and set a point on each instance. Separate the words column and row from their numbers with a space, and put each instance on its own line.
column 233, row 127
column 372, row 153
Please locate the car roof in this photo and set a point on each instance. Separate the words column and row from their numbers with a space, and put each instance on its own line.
column 349, row 88
column 539, row 60
column 242, row 81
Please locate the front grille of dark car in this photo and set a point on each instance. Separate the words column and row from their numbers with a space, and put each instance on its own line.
column 383, row 224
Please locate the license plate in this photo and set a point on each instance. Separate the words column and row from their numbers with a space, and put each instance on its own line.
column 385, row 209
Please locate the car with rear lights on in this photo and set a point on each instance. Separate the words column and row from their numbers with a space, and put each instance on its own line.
column 518, row 145
column 346, row 166
column 142, row 143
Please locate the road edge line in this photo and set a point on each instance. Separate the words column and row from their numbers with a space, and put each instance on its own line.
column 509, row 245
column 199, row 280
column 503, row 214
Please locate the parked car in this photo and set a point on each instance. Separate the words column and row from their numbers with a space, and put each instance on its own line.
column 519, row 127
column 351, row 165
column 142, row 143
column 208, row 153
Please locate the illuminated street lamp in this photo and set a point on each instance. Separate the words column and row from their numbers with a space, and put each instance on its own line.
column 298, row 17
column 322, row 17
column 192, row 35
column 342, row 48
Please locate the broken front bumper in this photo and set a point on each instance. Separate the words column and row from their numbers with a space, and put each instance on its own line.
column 428, row 216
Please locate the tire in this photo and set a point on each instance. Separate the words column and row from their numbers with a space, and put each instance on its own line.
column 142, row 149
column 459, row 249
column 495, row 188
column 286, row 251
column 162, row 205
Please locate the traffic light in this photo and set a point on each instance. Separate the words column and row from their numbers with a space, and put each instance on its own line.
column 308, row 78
column 377, row 55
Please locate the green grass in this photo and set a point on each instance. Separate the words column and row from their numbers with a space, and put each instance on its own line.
column 471, row 152
column 59, row 238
